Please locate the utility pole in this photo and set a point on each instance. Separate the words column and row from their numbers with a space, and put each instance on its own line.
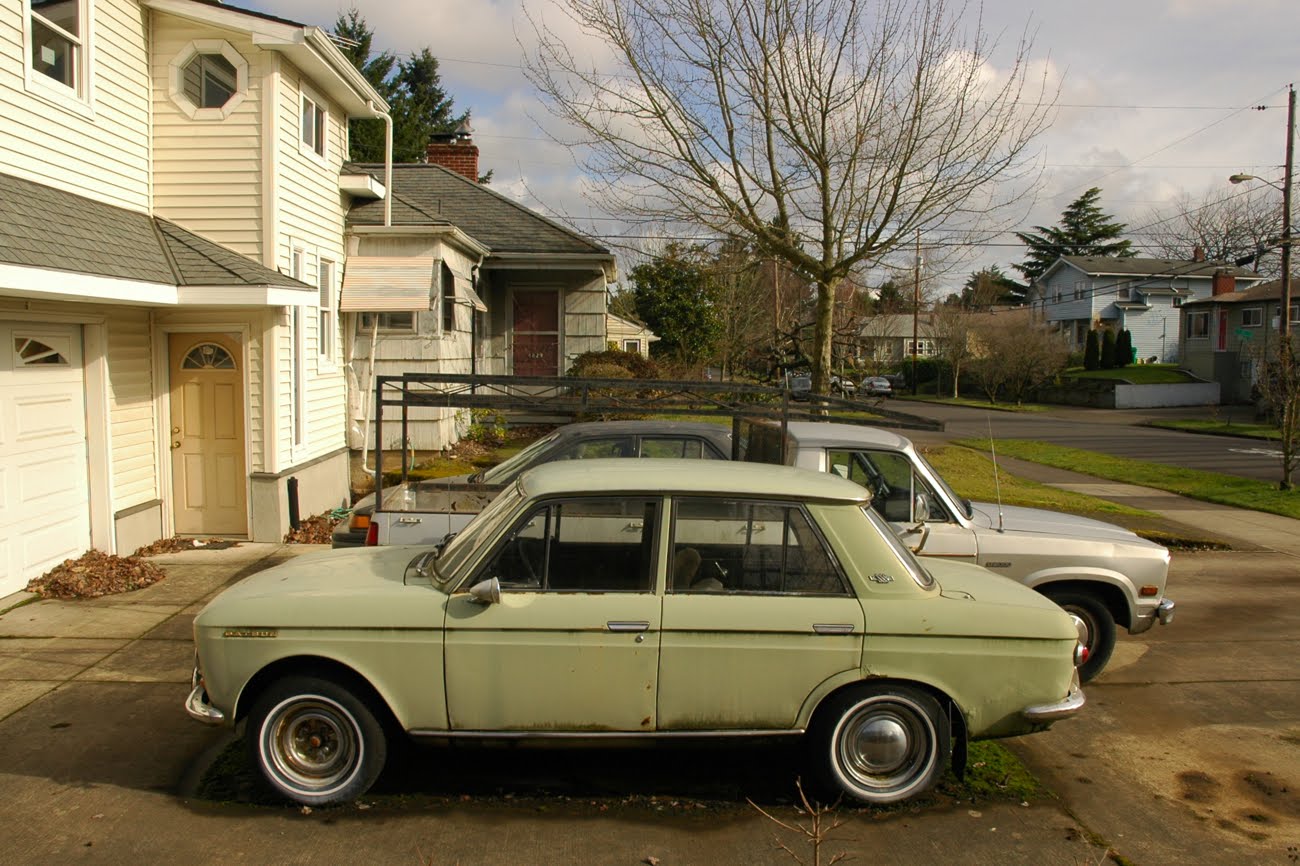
column 1285, row 329
column 916, row 306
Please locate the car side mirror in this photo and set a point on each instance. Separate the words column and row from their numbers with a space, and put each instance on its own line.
column 921, row 508
column 486, row 591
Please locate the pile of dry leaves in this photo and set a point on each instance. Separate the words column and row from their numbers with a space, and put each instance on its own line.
column 93, row 574
column 313, row 530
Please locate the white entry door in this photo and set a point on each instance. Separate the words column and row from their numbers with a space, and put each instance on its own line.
column 44, row 483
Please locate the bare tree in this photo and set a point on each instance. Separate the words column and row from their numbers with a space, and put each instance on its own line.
column 1277, row 387
column 738, row 289
column 823, row 132
column 1228, row 226
column 1016, row 356
column 951, row 327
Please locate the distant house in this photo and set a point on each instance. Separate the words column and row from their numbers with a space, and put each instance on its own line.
column 887, row 338
column 1225, row 336
column 463, row 280
column 1077, row 294
column 628, row 335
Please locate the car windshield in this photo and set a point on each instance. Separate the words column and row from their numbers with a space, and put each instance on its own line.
column 480, row 531
column 922, row 577
column 947, row 491
column 503, row 472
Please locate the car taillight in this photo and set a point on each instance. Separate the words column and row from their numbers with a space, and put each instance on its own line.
column 372, row 535
column 1080, row 655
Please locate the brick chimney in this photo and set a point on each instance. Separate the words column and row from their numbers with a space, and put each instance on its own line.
column 455, row 150
column 1198, row 254
column 1223, row 283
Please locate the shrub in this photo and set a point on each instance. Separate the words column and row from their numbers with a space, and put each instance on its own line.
column 587, row 364
column 1107, row 349
column 1091, row 352
column 1124, row 348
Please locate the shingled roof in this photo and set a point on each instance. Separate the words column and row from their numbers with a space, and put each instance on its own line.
column 1270, row 291
column 44, row 227
column 428, row 194
column 1136, row 266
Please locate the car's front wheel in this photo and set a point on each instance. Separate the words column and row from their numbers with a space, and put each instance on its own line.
column 880, row 743
column 315, row 741
column 1096, row 628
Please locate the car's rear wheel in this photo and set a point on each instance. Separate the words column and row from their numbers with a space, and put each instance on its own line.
column 1096, row 628
column 880, row 743
column 315, row 741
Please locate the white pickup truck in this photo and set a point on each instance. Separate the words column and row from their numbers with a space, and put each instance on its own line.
column 1104, row 574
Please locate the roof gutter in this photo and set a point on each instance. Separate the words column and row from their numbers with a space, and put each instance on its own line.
column 604, row 262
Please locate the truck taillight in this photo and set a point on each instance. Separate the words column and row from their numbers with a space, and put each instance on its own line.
column 359, row 522
column 372, row 535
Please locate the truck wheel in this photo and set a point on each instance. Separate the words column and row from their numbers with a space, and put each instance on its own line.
column 879, row 744
column 315, row 741
column 1097, row 631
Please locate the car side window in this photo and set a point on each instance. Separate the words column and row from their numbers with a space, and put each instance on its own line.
column 676, row 447
column 579, row 545
column 595, row 449
column 892, row 481
column 753, row 547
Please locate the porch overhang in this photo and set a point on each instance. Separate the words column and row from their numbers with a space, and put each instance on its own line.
column 59, row 285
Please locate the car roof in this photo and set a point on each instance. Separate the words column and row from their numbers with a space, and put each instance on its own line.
column 688, row 476
column 822, row 435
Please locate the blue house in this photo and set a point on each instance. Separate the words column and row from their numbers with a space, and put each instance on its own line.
column 1080, row 293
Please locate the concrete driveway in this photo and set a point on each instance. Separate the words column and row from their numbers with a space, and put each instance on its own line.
column 1189, row 752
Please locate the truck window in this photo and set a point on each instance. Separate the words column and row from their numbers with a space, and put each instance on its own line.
column 892, row 482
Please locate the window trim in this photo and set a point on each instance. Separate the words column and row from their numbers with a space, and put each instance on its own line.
column 363, row 329
column 313, row 150
column 633, row 346
column 79, row 99
column 176, row 79
column 326, row 313
column 447, row 298
column 1256, row 313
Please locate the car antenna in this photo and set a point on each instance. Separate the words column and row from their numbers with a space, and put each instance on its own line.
column 997, row 482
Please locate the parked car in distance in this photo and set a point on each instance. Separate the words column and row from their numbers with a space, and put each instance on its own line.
column 799, row 385
column 1104, row 574
column 445, row 505
column 843, row 386
column 633, row 600
column 877, row 386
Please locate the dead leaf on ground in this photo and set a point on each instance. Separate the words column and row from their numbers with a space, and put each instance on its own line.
column 95, row 574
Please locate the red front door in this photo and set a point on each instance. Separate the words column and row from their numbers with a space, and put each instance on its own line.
column 537, row 333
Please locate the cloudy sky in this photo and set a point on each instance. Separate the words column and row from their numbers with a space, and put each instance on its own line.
column 1155, row 98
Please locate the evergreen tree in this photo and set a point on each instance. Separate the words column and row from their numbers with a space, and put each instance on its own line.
column 419, row 105
column 1124, row 348
column 1108, row 349
column 354, row 37
column 1091, row 352
column 671, row 295
column 1085, row 230
column 987, row 287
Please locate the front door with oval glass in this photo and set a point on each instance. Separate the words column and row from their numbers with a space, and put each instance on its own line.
column 207, row 435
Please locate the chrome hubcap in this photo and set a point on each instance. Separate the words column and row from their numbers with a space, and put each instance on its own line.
column 885, row 745
column 1082, row 625
column 311, row 743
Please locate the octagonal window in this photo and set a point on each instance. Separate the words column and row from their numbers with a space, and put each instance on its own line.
column 210, row 80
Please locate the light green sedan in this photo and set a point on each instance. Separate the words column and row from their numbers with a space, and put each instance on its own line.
column 617, row 600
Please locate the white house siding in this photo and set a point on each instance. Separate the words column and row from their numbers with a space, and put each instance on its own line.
column 1069, row 308
column 133, row 425
column 1149, row 326
column 208, row 173
column 584, row 318
column 428, row 350
column 310, row 213
column 101, row 153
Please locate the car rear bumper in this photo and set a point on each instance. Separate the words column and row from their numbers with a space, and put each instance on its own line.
column 1162, row 613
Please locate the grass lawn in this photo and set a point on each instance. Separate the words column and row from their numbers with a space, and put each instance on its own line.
column 1193, row 483
column 971, row 474
column 1220, row 428
column 1138, row 374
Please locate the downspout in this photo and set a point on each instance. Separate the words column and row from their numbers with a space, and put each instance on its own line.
column 374, row 325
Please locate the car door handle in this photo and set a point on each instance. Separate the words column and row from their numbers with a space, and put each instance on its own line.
column 627, row 625
column 634, row 526
column 833, row 627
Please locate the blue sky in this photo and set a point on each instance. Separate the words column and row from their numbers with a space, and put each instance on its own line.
column 1154, row 102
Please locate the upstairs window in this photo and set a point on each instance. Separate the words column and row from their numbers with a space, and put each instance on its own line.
column 314, row 122
column 1080, row 289
column 209, row 79
column 58, row 43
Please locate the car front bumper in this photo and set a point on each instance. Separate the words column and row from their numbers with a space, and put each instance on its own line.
column 1062, row 709
column 1162, row 613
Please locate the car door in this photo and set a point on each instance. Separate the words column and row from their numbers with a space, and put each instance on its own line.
column 756, row 615
column 894, row 484
column 573, row 643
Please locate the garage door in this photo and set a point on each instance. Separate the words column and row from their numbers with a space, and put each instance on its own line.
column 44, row 490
